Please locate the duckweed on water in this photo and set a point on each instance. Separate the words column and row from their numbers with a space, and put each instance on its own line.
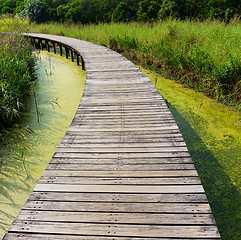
column 213, row 136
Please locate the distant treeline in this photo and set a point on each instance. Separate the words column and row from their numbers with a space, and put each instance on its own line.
column 95, row 11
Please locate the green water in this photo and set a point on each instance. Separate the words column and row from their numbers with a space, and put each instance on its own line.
column 212, row 133
column 30, row 147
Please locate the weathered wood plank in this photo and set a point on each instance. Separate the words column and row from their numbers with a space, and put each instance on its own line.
column 123, row 154
column 112, row 167
column 182, row 173
column 115, row 140
column 114, row 218
column 123, row 161
column 116, row 230
column 28, row 236
column 121, row 188
column 120, row 150
column 120, row 181
column 125, row 145
column 192, row 208
column 120, row 197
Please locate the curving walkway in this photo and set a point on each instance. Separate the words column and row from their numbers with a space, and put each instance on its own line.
column 122, row 171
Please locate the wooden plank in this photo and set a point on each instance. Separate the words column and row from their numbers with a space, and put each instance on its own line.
column 120, row 181
column 120, row 154
column 28, row 236
column 125, row 145
column 121, row 188
column 136, row 167
column 120, row 197
column 120, row 124
column 137, row 129
column 192, row 208
column 116, row 230
column 134, row 135
column 131, row 140
column 120, row 150
column 177, row 173
column 120, row 218
column 112, row 161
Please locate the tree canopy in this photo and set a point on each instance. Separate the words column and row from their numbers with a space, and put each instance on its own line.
column 95, row 11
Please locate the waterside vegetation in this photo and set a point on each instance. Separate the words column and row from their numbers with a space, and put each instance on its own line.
column 205, row 56
column 16, row 71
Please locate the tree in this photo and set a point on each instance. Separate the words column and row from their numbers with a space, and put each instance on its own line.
column 35, row 10
column 148, row 10
column 168, row 8
column 122, row 13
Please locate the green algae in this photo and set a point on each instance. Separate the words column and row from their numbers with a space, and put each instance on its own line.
column 213, row 136
column 28, row 149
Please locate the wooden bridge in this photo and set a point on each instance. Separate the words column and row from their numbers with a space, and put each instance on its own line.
column 123, row 170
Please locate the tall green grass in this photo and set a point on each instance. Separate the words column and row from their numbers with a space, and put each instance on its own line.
column 205, row 56
column 16, row 71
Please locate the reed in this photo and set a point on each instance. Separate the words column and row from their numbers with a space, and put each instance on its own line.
column 16, row 71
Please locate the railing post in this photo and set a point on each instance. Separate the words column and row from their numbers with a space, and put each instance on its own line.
column 82, row 63
column 35, row 43
column 54, row 47
column 31, row 40
column 77, row 58
column 47, row 45
column 66, row 52
column 60, row 50
column 41, row 44
column 72, row 55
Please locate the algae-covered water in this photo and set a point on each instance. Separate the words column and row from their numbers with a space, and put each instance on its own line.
column 213, row 136
column 28, row 149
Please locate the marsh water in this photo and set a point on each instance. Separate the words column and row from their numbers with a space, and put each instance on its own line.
column 212, row 133
column 28, row 149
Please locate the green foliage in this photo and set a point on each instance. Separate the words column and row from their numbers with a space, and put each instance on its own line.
column 16, row 74
column 167, row 9
column 34, row 10
column 148, row 10
column 122, row 13
column 95, row 11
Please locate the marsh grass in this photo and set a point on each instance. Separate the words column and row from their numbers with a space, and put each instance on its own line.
column 205, row 55
column 16, row 71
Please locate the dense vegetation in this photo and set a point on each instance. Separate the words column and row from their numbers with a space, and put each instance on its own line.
column 16, row 74
column 202, row 55
column 95, row 11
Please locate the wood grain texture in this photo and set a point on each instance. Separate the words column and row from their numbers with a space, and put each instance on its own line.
column 122, row 170
column 26, row 236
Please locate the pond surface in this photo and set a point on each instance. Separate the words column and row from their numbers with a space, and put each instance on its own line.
column 29, row 148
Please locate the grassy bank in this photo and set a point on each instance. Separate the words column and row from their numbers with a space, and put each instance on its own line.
column 16, row 71
column 202, row 55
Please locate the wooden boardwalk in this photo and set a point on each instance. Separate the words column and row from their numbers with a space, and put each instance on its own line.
column 122, row 171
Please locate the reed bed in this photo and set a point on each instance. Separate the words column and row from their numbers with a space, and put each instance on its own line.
column 205, row 55
column 16, row 71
